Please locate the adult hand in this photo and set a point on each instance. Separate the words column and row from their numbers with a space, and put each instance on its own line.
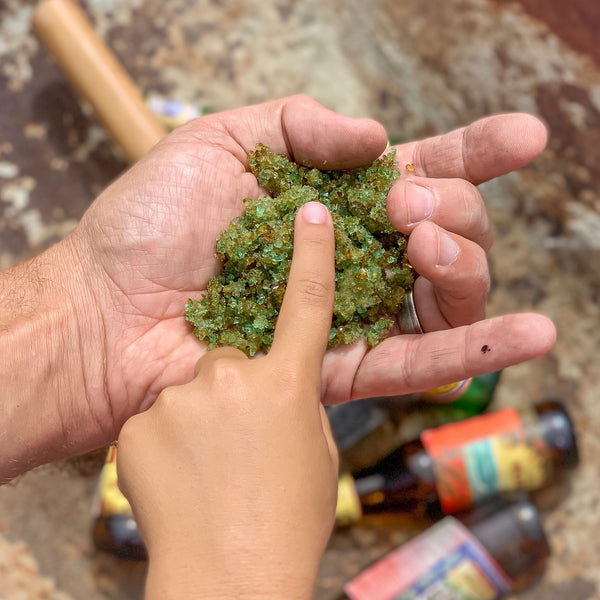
column 105, row 305
column 233, row 477
column 149, row 241
column 438, row 204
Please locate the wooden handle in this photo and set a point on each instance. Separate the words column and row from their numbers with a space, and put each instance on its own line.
column 97, row 75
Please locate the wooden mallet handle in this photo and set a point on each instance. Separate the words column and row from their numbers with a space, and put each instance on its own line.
column 94, row 71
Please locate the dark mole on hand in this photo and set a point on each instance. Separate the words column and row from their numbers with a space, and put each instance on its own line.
column 485, row 348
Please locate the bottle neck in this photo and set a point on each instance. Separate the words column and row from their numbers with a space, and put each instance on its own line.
column 404, row 481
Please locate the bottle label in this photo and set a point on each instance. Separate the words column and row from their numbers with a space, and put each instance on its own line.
column 109, row 500
column 348, row 510
column 171, row 112
column 483, row 456
column 448, row 392
column 446, row 562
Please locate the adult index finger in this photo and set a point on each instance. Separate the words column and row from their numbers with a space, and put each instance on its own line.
column 304, row 322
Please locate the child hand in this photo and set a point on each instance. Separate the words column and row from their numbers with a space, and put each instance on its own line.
column 233, row 476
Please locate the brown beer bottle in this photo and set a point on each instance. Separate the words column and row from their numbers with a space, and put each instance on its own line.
column 367, row 430
column 449, row 469
column 456, row 466
column 114, row 528
column 494, row 550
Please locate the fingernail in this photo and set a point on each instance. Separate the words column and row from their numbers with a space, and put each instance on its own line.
column 420, row 201
column 314, row 212
column 447, row 250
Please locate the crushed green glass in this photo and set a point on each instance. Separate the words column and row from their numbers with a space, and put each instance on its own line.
column 241, row 304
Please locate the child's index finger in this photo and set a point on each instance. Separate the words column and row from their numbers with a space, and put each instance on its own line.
column 304, row 322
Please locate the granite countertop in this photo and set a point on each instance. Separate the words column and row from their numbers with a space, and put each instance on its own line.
column 420, row 69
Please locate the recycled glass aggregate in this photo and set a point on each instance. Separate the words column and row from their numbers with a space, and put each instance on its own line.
column 241, row 304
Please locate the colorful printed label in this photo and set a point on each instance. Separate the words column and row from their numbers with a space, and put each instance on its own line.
column 445, row 562
column 448, row 392
column 109, row 499
column 171, row 112
column 483, row 456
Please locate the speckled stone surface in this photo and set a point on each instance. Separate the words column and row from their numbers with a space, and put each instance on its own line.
column 421, row 69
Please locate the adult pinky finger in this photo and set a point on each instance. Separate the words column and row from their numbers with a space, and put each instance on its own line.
column 405, row 364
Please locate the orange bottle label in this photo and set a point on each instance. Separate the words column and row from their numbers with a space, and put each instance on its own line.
column 487, row 455
column 348, row 509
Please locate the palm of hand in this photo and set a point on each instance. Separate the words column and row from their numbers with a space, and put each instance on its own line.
column 153, row 239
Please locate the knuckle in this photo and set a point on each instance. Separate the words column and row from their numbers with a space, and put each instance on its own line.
column 320, row 243
column 127, row 433
column 225, row 374
column 481, row 271
column 289, row 380
column 473, row 207
column 313, row 292
column 486, row 283
column 301, row 98
column 168, row 399
column 411, row 367
column 491, row 236
column 318, row 246
column 476, row 219
column 131, row 432
column 472, row 285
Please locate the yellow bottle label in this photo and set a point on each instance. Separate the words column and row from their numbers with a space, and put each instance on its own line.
column 110, row 500
column 348, row 509
column 467, row 581
column 448, row 392
column 522, row 461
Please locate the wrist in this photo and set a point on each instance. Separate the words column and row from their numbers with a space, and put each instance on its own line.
column 46, row 403
column 202, row 579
